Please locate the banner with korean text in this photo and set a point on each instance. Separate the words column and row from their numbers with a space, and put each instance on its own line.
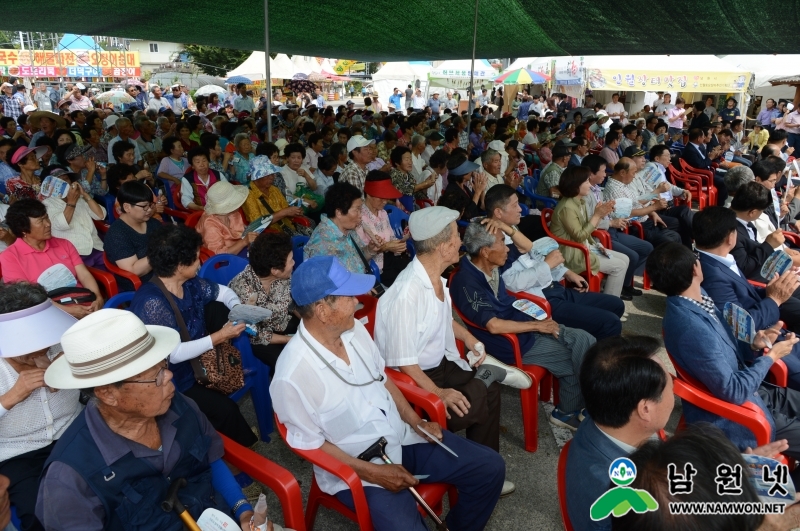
column 653, row 80
column 84, row 63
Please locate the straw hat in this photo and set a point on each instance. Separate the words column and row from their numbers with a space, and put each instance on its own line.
column 106, row 347
column 224, row 198
column 35, row 117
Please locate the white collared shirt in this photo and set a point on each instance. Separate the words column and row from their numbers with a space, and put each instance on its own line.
column 729, row 261
column 80, row 231
column 408, row 327
column 317, row 406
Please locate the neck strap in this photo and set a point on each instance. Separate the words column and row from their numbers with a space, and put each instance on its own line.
column 334, row 371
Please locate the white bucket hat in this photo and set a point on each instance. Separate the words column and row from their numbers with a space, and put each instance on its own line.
column 32, row 329
column 106, row 347
column 224, row 198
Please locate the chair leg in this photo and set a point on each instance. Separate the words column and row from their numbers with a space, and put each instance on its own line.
column 546, row 388
column 646, row 282
column 314, row 498
column 530, row 416
column 262, row 402
column 556, row 387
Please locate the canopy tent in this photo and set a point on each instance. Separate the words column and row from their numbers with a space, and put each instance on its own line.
column 303, row 65
column 522, row 62
column 455, row 74
column 193, row 81
column 254, row 67
column 764, row 67
column 71, row 42
column 399, row 74
column 535, row 28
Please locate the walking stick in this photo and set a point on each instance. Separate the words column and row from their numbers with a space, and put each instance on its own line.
column 378, row 449
column 173, row 503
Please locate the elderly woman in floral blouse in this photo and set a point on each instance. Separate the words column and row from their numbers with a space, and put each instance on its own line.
column 266, row 282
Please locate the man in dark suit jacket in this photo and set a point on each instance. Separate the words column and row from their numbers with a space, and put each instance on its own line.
column 749, row 202
column 696, row 156
column 715, row 236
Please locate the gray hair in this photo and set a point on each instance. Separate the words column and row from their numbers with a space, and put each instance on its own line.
column 429, row 245
column 20, row 295
column 161, row 120
column 488, row 155
column 737, row 177
column 238, row 138
column 476, row 238
column 417, row 140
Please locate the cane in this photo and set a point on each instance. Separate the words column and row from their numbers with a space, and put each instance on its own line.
column 379, row 450
column 173, row 503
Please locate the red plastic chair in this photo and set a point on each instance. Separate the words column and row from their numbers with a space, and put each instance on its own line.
column 603, row 237
column 114, row 268
column 205, row 254
column 426, row 404
column 690, row 182
column 542, row 385
column 594, row 280
column 277, row 478
column 106, row 281
column 177, row 214
column 101, row 226
column 424, row 203
column 707, row 179
column 432, row 493
column 367, row 314
column 193, row 218
column 562, row 486
column 176, row 198
column 638, row 226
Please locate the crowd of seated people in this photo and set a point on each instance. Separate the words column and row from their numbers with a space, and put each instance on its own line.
column 422, row 211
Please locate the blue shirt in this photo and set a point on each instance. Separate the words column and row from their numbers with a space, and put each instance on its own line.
column 395, row 100
column 523, row 111
column 152, row 308
column 434, row 105
column 474, row 298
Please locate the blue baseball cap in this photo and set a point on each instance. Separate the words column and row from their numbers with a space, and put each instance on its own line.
column 320, row 276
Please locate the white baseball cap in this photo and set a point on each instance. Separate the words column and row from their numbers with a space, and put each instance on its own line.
column 357, row 141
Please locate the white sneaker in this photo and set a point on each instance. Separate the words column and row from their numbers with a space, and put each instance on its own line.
column 514, row 377
column 508, row 488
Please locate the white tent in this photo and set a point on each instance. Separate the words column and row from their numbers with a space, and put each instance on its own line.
column 303, row 65
column 522, row 62
column 764, row 68
column 326, row 67
column 281, row 67
column 455, row 74
column 255, row 68
column 400, row 75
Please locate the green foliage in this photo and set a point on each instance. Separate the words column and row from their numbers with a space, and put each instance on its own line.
column 213, row 60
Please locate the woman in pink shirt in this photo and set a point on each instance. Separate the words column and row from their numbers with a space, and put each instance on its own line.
column 221, row 225
column 36, row 251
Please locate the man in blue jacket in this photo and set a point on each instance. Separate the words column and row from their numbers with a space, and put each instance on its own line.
column 479, row 293
column 715, row 235
column 702, row 344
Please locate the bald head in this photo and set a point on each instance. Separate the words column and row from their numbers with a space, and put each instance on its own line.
column 625, row 170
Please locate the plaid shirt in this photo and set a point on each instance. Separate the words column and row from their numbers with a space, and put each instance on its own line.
column 633, row 191
column 12, row 106
column 463, row 139
column 354, row 175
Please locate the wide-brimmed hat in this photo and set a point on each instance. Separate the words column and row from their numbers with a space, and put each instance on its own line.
column 34, row 118
column 261, row 167
column 32, row 329
column 108, row 346
column 23, row 152
column 223, row 197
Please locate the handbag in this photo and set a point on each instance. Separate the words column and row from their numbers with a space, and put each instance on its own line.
column 70, row 296
column 220, row 368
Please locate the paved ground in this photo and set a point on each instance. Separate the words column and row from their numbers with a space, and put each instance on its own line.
column 535, row 503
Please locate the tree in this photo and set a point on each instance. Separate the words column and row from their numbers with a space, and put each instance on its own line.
column 213, row 60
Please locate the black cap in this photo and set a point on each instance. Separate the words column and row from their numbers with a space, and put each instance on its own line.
column 561, row 151
column 633, row 151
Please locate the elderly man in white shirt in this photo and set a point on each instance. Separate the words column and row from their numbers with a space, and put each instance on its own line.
column 331, row 392
column 415, row 332
column 615, row 109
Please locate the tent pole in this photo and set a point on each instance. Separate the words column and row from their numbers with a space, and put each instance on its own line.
column 471, row 104
column 268, row 81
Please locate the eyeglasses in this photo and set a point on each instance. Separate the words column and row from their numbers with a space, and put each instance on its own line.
column 148, row 206
column 159, row 381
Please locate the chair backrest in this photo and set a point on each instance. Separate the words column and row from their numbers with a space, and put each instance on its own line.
column 194, row 218
column 298, row 243
column 115, row 269
column 106, row 282
column 547, row 215
column 562, row 486
column 205, row 254
column 525, row 209
column 175, row 195
column 396, row 217
column 221, row 268
column 108, row 201
column 120, row 301
column 366, row 314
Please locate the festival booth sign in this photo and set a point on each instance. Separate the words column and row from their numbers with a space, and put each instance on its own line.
column 455, row 74
column 85, row 63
